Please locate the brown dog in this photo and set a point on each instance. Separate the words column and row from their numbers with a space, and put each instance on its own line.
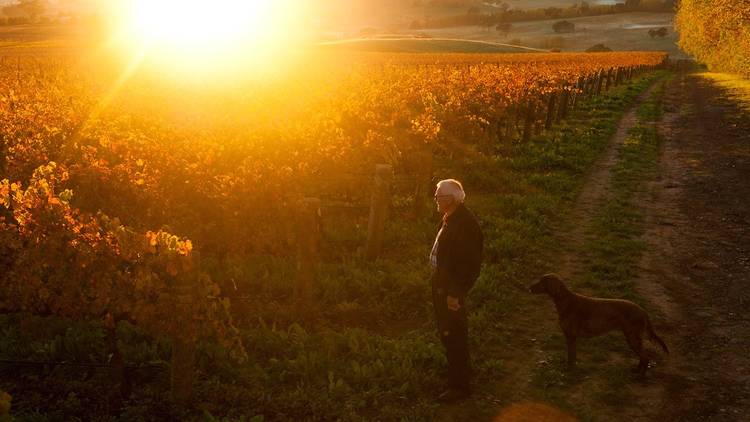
column 582, row 316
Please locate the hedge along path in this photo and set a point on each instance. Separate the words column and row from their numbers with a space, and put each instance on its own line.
column 512, row 393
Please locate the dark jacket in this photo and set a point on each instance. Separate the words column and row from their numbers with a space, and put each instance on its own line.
column 459, row 253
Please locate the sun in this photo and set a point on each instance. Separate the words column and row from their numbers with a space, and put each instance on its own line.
column 195, row 34
column 186, row 24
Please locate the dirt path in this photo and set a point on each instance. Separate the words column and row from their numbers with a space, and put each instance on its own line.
column 693, row 274
column 510, row 398
column 696, row 269
column 595, row 191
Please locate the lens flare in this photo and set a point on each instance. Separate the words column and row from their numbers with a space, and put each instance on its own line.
column 199, row 35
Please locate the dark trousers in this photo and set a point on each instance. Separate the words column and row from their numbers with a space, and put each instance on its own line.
column 453, row 330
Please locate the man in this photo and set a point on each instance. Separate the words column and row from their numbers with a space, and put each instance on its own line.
column 456, row 258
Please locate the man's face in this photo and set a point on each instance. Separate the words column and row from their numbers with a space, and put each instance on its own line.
column 443, row 201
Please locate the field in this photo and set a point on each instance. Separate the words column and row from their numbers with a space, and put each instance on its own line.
column 253, row 246
column 350, row 17
column 163, row 213
column 626, row 32
column 402, row 44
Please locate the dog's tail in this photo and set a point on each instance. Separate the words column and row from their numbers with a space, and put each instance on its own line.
column 652, row 335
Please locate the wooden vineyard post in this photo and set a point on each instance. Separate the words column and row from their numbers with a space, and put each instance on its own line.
column 579, row 93
column 599, row 81
column 617, row 77
column 587, row 87
column 184, row 337
column 381, row 198
column 422, row 186
column 117, row 372
column 562, row 111
column 530, row 118
column 308, row 233
column 608, row 81
column 550, row 111
column 510, row 116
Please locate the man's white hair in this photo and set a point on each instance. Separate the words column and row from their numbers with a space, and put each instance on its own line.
column 451, row 187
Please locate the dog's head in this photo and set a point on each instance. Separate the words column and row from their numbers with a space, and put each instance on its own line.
column 550, row 284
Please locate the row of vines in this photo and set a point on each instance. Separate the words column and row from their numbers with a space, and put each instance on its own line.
column 110, row 185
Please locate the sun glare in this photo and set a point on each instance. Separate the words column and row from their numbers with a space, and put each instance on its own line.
column 198, row 34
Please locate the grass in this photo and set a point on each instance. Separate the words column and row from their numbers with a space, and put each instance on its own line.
column 416, row 45
column 737, row 87
column 613, row 251
column 368, row 350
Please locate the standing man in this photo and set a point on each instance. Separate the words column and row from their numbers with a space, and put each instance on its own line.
column 456, row 258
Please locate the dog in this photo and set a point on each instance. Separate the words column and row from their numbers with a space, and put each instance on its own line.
column 583, row 316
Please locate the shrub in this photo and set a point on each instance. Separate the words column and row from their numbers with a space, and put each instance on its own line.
column 562, row 27
column 598, row 48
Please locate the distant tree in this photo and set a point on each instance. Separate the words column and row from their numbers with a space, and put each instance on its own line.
column 553, row 12
column 504, row 28
column 598, row 48
column 584, row 8
column 661, row 32
column 33, row 8
column 564, row 27
column 632, row 4
column 486, row 21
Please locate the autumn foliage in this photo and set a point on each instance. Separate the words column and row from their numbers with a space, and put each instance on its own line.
column 716, row 32
column 107, row 194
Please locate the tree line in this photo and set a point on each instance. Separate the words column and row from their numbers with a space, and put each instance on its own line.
column 505, row 14
column 723, row 45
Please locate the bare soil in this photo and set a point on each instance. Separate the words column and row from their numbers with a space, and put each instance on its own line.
column 696, row 270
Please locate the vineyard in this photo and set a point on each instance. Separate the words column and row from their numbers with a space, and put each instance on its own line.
column 241, row 236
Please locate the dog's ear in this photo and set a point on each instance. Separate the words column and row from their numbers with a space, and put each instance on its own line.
column 553, row 284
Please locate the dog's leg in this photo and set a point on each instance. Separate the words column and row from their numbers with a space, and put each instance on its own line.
column 571, row 343
column 635, row 341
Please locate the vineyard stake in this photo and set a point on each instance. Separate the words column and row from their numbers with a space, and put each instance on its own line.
column 563, row 109
column 423, row 179
column 183, row 339
column 308, row 233
column 550, row 111
column 381, row 198
column 529, row 122
column 599, row 81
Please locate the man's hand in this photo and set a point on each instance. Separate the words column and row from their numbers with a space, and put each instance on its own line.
column 453, row 304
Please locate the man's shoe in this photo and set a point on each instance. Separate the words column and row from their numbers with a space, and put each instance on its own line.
column 452, row 395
